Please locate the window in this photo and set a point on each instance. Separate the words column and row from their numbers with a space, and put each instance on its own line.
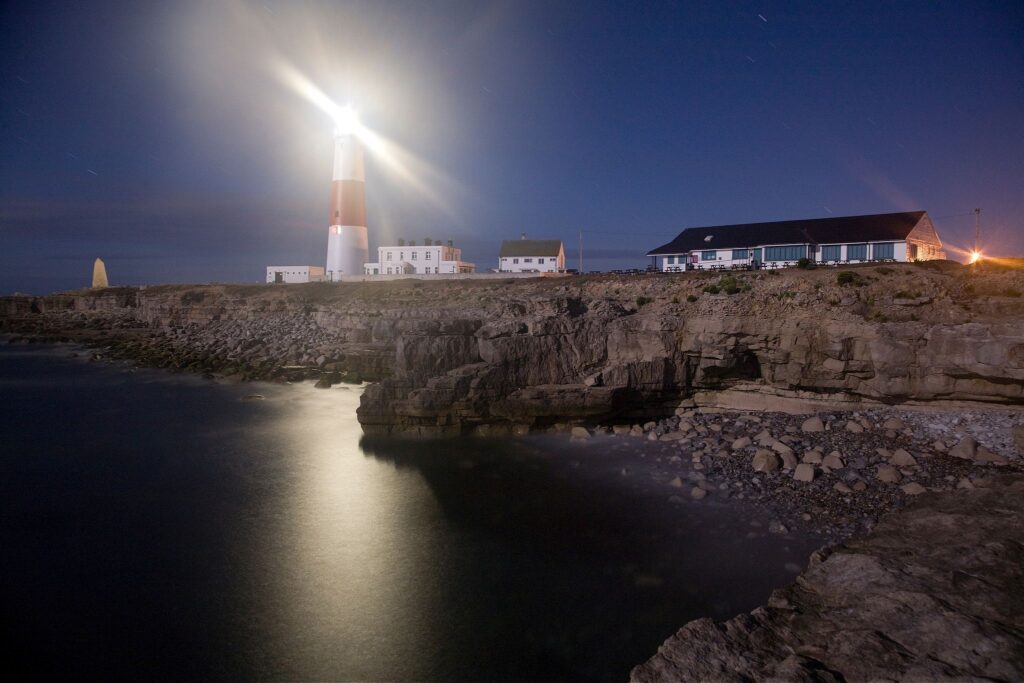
column 414, row 256
column 389, row 270
column 389, row 256
column 739, row 254
column 857, row 252
column 912, row 251
column 515, row 260
column 887, row 250
column 831, row 252
column 540, row 260
column 428, row 256
column 708, row 255
column 792, row 252
column 527, row 260
column 401, row 256
column 375, row 271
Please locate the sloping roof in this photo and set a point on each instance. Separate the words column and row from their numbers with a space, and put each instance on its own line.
column 531, row 247
column 845, row 229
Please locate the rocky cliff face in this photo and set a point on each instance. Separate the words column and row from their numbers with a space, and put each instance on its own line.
column 488, row 356
column 935, row 592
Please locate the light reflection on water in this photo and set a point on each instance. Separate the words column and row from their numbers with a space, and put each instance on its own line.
column 160, row 526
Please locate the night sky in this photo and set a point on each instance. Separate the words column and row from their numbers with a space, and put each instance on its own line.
column 159, row 137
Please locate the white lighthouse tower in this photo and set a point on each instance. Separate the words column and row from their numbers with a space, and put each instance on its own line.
column 347, row 239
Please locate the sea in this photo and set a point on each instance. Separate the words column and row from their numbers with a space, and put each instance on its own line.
column 159, row 526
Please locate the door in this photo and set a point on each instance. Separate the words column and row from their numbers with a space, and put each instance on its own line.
column 278, row 276
column 757, row 258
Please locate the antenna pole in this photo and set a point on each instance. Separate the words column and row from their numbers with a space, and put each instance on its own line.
column 581, row 251
column 977, row 229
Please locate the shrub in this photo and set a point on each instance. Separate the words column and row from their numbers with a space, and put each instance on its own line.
column 883, row 270
column 691, row 298
column 712, row 289
column 848, row 277
column 806, row 264
column 642, row 301
column 675, row 299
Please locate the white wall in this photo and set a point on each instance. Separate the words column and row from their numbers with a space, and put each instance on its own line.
column 421, row 260
column 292, row 274
column 522, row 264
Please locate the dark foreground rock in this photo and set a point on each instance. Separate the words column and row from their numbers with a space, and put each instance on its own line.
column 935, row 592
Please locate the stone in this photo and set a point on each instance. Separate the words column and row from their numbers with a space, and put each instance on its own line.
column 1018, row 438
column 677, row 483
column 697, row 493
column 812, row 424
column 781, row 448
column 324, row 383
column 741, row 442
column 860, row 485
column 985, row 455
column 636, row 430
column 888, row 474
column 841, row 487
column 789, row 461
column 833, row 461
column 853, row 427
column 764, row 438
column 765, row 461
column 901, row 458
column 579, row 434
column 964, row 483
column 672, row 436
column 804, row 472
column 913, row 489
column 965, row 449
column 932, row 593
column 894, row 423
column 812, row 457
column 777, row 527
column 939, row 446
column 620, row 429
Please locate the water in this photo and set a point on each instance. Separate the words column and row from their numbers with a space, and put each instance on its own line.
column 159, row 526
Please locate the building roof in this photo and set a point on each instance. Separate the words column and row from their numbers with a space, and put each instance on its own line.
column 531, row 247
column 845, row 229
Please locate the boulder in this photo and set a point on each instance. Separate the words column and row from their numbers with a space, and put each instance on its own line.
column 985, row 455
column 804, row 472
column 895, row 424
column 781, row 448
column 697, row 493
column 841, row 487
column 579, row 434
column 677, row 483
column 789, row 461
column 765, row 461
column 833, row 461
column 913, row 489
column 853, row 427
column 812, row 424
column 812, row 457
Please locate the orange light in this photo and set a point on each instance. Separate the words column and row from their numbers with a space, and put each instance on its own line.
column 975, row 256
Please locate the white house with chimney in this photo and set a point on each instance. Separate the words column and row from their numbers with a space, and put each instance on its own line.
column 430, row 258
column 531, row 256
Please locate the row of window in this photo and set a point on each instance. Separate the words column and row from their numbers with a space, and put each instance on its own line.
column 795, row 252
column 527, row 260
column 401, row 256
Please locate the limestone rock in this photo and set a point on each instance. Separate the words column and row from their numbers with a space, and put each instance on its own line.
column 765, row 461
column 789, row 461
column 781, row 448
column 985, row 455
column 901, row 458
column 833, row 461
column 935, row 592
column 677, row 483
column 579, row 434
column 965, row 449
column 812, row 457
column 841, row 487
column 895, row 424
column 854, row 427
column 741, row 442
column 888, row 474
column 913, row 489
column 698, row 493
column 804, row 472
column 813, row 424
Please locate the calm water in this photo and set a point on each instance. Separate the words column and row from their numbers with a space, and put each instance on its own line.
column 158, row 526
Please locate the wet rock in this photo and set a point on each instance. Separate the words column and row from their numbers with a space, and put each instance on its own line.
column 698, row 493
column 620, row 429
column 812, row 424
column 677, row 482
column 579, row 434
column 777, row 527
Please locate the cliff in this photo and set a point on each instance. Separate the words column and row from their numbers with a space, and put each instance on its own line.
column 493, row 356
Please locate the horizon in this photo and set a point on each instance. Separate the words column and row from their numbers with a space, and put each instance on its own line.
column 164, row 139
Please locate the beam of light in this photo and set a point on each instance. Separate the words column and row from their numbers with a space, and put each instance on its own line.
column 975, row 256
column 414, row 173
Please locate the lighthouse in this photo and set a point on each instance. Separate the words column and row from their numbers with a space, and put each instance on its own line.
column 347, row 239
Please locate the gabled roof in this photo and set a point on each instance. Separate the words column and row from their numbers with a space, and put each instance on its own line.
column 845, row 229
column 531, row 247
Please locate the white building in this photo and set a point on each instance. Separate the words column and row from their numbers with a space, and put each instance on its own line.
column 293, row 274
column 531, row 256
column 908, row 236
column 432, row 258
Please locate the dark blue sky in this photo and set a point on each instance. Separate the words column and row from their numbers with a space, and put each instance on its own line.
column 156, row 136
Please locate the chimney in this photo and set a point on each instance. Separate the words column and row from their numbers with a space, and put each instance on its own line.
column 451, row 243
column 401, row 241
column 428, row 242
column 412, row 243
column 522, row 236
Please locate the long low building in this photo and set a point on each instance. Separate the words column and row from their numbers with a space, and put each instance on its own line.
column 293, row 274
column 907, row 236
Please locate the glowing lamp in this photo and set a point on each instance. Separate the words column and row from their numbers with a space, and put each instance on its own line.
column 346, row 121
column 975, row 256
